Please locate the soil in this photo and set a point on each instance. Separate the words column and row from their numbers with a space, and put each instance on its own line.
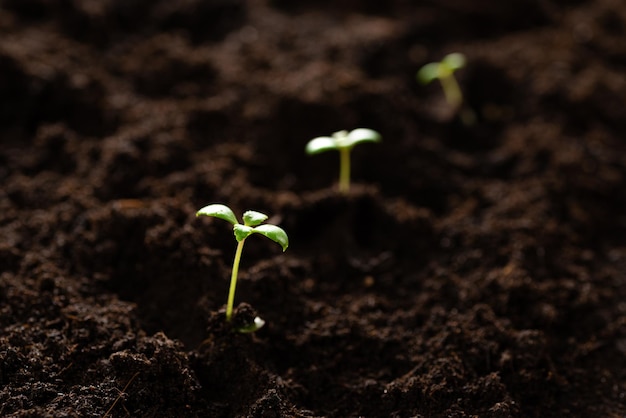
column 474, row 269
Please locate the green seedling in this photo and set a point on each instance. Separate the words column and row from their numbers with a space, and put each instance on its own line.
column 251, row 225
column 444, row 72
column 342, row 141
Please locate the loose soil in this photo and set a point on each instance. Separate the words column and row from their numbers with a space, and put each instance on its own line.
column 474, row 270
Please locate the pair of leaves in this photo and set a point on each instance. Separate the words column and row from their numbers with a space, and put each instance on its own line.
column 449, row 64
column 251, row 224
column 341, row 140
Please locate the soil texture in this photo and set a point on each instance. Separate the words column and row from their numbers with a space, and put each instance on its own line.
column 476, row 268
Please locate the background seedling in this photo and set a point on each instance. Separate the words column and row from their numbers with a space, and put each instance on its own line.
column 342, row 141
column 251, row 225
column 444, row 72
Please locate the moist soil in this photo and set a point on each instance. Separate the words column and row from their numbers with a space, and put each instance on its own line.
column 475, row 269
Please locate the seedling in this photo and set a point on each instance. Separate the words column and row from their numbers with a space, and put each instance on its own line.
column 444, row 72
column 251, row 225
column 342, row 141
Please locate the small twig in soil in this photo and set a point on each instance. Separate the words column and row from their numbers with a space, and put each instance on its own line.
column 120, row 395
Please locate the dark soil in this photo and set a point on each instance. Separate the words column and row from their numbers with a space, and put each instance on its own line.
column 473, row 271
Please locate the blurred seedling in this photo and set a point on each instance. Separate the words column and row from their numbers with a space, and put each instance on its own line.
column 342, row 141
column 444, row 72
column 251, row 225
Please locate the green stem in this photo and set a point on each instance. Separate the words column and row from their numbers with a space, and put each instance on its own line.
column 344, row 170
column 233, row 281
column 451, row 90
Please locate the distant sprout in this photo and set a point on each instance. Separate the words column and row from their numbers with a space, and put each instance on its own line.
column 342, row 141
column 251, row 225
column 444, row 72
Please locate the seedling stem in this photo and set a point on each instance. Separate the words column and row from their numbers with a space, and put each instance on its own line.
column 233, row 281
column 451, row 90
column 344, row 170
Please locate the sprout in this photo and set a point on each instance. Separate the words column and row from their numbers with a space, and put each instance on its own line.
column 444, row 71
column 251, row 225
column 342, row 141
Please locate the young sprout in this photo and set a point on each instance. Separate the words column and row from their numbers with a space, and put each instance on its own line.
column 342, row 141
column 444, row 71
column 251, row 225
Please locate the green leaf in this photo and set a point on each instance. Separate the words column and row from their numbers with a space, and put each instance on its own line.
column 253, row 218
column 428, row 73
column 362, row 135
column 320, row 144
column 256, row 325
column 218, row 211
column 242, row 232
column 274, row 233
column 454, row 61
